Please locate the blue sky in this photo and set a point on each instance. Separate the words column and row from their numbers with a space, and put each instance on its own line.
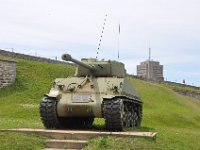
column 50, row 28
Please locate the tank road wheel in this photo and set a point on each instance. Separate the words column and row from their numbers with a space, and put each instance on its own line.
column 134, row 118
column 132, row 121
column 139, row 116
column 126, row 117
column 48, row 113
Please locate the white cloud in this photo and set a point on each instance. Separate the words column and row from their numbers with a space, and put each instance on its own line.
column 50, row 27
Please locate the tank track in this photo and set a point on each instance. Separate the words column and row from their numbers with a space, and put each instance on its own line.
column 48, row 114
column 122, row 113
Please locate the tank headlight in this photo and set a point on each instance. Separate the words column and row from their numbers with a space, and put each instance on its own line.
column 61, row 87
column 71, row 88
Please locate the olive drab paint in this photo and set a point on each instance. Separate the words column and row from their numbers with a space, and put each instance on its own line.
column 98, row 89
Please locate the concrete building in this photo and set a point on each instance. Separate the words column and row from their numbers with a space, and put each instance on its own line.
column 7, row 72
column 151, row 70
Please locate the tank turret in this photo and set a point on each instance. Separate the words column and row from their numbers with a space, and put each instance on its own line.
column 98, row 68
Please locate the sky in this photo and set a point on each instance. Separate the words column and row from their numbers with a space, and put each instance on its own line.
column 49, row 28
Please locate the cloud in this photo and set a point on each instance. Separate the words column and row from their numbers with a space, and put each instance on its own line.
column 51, row 27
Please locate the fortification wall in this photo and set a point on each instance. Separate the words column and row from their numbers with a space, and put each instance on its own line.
column 167, row 82
column 182, row 92
column 7, row 72
column 29, row 57
column 187, row 93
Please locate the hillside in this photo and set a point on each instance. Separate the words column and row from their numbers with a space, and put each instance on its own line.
column 19, row 103
column 174, row 117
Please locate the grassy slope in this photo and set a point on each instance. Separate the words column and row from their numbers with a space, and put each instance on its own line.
column 174, row 117
column 19, row 102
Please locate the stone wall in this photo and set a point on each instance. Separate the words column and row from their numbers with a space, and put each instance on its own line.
column 29, row 57
column 7, row 72
column 166, row 82
column 190, row 94
column 182, row 92
column 180, row 84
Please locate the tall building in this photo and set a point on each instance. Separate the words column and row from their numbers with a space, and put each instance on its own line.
column 150, row 70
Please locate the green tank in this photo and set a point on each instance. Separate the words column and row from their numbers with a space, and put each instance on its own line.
column 98, row 89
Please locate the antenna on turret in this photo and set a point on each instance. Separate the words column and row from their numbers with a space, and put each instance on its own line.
column 104, row 24
column 118, row 41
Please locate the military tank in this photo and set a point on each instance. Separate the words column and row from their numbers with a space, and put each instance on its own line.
column 98, row 89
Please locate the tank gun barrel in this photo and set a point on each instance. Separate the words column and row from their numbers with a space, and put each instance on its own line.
column 68, row 57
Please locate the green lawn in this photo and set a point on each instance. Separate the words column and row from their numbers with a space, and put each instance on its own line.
column 18, row 141
column 176, row 118
column 19, row 103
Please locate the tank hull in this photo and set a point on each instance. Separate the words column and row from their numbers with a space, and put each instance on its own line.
column 87, row 98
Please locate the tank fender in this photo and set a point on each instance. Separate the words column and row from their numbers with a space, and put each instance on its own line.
column 108, row 96
column 53, row 93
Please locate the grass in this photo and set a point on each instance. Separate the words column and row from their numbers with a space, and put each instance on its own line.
column 19, row 103
column 18, row 141
column 174, row 117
